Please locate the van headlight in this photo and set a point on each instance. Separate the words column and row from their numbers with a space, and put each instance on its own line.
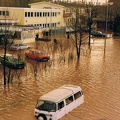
column 36, row 113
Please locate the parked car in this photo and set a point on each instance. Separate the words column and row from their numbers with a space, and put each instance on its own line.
column 98, row 34
column 12, row 61
column 37, row 55
column 69, row 30
column 19, row 46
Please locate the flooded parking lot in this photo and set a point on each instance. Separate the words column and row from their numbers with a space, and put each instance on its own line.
column 97, row 73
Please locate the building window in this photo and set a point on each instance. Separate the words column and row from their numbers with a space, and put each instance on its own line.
column 31, row 14
column 37, row 14
column 55, row 14
column 48, row 14
column 43, row 14
column 28, row 14
column 40, row 14
column 25, row 14
column 43, row 25
column 7, row 13
column 48, row 25
column 54, row 24
column 3, row 12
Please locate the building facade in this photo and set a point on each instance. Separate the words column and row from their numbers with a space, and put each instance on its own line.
column 39, row 17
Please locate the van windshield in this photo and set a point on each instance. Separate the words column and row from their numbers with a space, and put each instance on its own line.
column 46, row 106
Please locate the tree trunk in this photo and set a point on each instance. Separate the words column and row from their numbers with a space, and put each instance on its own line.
column 4, row 68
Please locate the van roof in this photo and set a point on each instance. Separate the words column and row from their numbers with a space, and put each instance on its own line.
column 60, row 93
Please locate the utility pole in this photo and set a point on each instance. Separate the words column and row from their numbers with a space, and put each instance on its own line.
column 106, row 24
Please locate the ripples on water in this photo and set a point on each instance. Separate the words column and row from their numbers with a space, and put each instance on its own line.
column 98, row 75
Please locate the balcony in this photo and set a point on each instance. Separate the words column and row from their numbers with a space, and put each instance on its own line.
column 65, row 15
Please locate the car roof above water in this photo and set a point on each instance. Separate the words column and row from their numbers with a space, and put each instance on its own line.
column 7, row 55
column 60, row 93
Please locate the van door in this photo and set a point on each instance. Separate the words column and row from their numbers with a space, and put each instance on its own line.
column 69, row 103
column 79, row 99
column 61, row 110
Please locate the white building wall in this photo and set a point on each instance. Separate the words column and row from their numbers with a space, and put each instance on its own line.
column 27, row 17
column 43, row 17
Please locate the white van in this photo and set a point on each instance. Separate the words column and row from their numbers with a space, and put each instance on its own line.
column 57, row 103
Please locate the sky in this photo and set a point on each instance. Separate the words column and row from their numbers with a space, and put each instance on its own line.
column 102, row 1
column 94, row 1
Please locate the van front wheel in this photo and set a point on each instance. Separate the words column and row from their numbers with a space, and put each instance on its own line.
column 41, row 117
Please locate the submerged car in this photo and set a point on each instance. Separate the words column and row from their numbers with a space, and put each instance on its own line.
column 37, row 55
column 12, row 62
column 19, row 46
column 98, row 34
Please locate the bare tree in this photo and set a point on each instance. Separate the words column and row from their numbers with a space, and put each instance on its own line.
column 91, row 14
column 77, row 24
column 7, row 39
column 78, row 32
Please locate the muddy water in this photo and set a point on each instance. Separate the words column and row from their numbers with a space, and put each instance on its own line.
column 97, row 73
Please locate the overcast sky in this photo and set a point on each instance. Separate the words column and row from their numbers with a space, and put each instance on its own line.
column 102, row 1
column 99, row 1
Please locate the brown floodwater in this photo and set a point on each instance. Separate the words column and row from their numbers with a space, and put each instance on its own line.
column 97, row 73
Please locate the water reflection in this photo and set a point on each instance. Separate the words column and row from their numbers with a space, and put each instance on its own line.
column 97, row 75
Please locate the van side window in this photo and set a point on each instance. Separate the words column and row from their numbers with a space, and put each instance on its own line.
column 69, row 100
column 60, row 105
column 77, row 95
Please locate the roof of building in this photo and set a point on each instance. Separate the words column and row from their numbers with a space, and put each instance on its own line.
column 36, row 3
column 70, row 4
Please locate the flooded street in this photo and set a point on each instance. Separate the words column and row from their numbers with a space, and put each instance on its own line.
column 98, row 74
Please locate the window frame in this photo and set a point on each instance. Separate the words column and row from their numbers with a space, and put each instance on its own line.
column 61, row 105
column 69, row 100
column 78, row 94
